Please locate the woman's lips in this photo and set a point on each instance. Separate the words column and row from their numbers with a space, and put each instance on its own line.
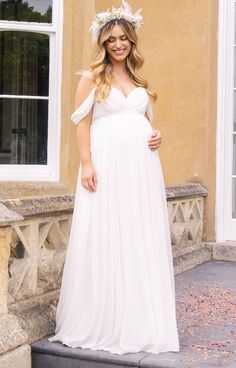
column 119, row 52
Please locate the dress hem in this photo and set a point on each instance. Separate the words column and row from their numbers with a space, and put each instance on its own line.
column 120, row 352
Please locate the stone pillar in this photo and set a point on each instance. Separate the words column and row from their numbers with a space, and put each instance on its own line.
column 5, row 239
column 14, row 352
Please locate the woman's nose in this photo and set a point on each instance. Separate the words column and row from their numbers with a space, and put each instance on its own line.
column 118, row 42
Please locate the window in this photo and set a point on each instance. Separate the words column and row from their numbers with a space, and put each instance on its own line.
column 30, row 75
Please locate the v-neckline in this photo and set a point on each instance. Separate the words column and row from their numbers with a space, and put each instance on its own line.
column 128, row 93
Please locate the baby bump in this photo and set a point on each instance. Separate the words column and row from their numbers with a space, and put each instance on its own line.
column 122, row 129
column 118, row 139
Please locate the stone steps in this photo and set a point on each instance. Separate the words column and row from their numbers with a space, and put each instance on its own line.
column 47, row 354
column 187, row 258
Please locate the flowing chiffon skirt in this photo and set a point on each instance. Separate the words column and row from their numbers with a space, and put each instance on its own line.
column 117, row 291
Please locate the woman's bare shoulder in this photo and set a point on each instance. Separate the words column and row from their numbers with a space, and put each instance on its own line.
column 84, row 88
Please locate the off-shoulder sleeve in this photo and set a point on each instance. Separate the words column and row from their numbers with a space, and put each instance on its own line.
column 87, row 73
column 149, row 111
column 83, row 109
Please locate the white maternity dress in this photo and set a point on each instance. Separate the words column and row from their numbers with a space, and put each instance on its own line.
column 118, row 291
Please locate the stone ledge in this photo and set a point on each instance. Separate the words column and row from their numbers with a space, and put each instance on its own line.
column 225, row 251
column 88, row 356
column 187, row 258
column 187, row 190
column 21, row 208
column 179, row 252
column 7, row 216
column 39, row 206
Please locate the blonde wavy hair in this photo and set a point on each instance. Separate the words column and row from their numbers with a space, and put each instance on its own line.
column 101, row 68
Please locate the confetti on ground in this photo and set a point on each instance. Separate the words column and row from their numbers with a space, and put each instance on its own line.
column 206, row 314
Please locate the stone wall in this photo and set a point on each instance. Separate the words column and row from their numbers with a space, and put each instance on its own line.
column 34, row 234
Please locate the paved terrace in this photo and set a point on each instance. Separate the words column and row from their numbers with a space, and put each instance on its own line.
column 206, row 312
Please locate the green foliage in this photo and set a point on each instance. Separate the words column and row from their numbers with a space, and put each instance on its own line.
column 20, row 10
column 24, row 63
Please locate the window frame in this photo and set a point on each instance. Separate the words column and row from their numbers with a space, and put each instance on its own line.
column 225, row 224
column 50, row 171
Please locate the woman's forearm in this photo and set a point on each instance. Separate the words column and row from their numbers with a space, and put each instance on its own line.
column 83, row 139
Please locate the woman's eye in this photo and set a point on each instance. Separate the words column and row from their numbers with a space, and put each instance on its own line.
column 123, row 38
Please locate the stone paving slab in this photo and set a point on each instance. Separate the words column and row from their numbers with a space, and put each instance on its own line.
column 187, row 358
column 206, row 319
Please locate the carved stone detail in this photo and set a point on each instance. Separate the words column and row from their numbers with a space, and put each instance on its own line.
column 186, row 221
column 37, row 256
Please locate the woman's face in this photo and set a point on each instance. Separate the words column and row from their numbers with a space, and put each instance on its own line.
column 118, row 45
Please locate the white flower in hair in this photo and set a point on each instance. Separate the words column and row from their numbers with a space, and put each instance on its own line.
column 124, row 12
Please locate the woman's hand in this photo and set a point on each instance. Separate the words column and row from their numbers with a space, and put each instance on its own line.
column 89, row 177
column 155, row 140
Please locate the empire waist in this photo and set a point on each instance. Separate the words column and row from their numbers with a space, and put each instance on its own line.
column 119, row 116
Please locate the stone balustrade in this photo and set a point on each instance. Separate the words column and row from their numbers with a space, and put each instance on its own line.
column 185, row 207
column 34, row 233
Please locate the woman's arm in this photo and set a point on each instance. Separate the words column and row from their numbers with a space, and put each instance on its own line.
column 88, row 177
column 83, row 139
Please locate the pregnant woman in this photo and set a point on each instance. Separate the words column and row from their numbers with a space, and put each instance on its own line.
column 117, row 291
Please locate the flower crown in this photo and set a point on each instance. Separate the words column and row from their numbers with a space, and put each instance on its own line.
column 124, row 12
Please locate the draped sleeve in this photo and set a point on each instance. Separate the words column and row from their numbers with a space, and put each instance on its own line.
column 149, row 111
column 84, row 108
column 87, row 73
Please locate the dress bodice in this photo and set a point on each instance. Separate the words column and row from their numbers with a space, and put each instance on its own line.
column 137, row 101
